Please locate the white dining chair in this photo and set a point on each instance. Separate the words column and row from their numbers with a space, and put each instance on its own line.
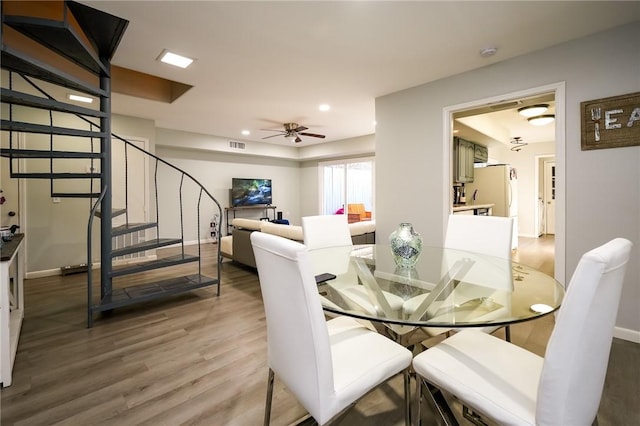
column 332, row 231
column 490, row 235
column 327, row 365
column 326, row 231
column 512, row 386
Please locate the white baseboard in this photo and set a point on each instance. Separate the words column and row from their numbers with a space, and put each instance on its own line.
column 193, row 242
column 53, row 272
column 43, row 273
column 626, row 334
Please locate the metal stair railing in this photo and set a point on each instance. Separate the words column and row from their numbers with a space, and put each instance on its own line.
column 92, row 215
column 51, row 154
column 202, row 192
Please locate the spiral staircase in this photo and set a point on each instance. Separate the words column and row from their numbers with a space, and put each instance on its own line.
column 70, row 45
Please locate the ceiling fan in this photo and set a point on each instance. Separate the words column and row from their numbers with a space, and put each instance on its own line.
column 293, row 132
column 517, row 143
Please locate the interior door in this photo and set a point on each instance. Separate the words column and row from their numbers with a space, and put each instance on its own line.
column 550, row 196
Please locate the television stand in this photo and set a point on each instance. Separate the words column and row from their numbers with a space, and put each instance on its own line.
column 265, row 208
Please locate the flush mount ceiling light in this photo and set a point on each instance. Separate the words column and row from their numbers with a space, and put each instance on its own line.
column 324, row 107
column 79, row 98
column 174, row 59
column 541, row 120
column 533, row 110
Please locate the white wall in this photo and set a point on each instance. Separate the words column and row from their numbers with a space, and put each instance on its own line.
column 601, row 191
column 214, row 170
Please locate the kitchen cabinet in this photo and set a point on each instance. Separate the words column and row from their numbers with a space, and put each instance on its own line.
column 480, row 153
column 463, row 158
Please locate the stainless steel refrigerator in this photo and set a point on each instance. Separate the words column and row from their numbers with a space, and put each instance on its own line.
column 497, row 184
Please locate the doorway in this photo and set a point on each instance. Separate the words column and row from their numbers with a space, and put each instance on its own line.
column 549, row 197
column 557, row 91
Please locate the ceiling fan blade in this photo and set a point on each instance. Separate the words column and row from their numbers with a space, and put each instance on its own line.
column 298, row 139
column 272, row 136
column 300, row 129
column 313, row 135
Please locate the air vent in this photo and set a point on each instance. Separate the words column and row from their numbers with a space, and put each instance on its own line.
column 236, row 145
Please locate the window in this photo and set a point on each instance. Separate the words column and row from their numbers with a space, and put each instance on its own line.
column 346, row 182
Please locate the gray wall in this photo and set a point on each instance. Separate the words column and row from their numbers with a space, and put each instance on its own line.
column 600, row 195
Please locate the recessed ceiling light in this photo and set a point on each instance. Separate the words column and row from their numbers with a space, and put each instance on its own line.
column 246, row 132
column 79, row 98
column 174, row 59
column 324, row 107
column 533, row 110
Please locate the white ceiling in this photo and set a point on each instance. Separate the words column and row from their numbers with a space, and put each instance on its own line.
column 261, row 64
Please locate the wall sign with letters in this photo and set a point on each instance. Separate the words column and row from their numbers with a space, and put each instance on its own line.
column 611, row 122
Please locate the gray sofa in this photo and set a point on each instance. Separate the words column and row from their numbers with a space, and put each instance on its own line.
column 237, row 246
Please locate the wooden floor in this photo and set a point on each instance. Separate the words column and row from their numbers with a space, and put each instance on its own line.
column 199, row 359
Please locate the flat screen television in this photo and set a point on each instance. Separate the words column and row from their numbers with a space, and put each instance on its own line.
column 250, row 192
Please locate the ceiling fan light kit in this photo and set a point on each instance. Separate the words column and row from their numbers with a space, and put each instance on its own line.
column 533, row 110
column 541, row 120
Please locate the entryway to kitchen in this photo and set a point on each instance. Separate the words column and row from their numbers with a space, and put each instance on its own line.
column 534, row 154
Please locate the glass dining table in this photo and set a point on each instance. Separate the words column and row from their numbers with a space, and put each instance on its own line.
column 446, row 289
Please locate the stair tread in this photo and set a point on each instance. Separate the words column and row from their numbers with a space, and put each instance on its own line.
column 143, row 292
column 18, row 61
column 134, row 268
column 145, row 245
column 114, row 212
column 132, row 227
column 19, row 126
column 25, row 99
column 56, row 175
column 43, row 153
column 76, row 194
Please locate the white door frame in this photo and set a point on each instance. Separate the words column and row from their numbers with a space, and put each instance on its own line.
column 560, row 100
